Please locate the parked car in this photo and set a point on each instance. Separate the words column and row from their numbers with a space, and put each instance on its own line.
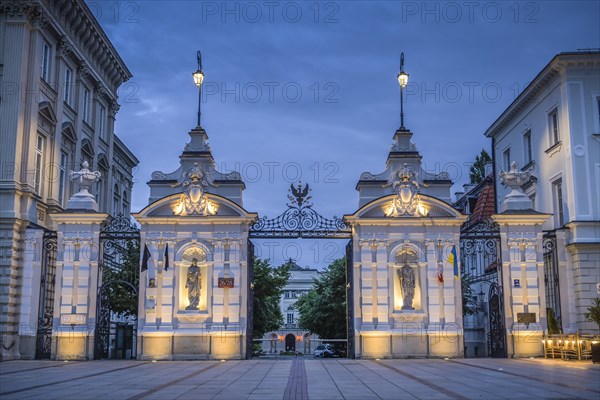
column 324, row 351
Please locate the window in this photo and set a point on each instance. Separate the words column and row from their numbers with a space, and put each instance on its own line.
column 62, row 177
column 598, row 110
column 45, row 61
column 559, row 213
column 99, row 194
column 116, row 200
column 126, row 212
column 527, row 147
column 68, row 85
column 86, row 104
column 101, row 122
column 290, row 318
column 553, row 124
column 39, row 163
column 506, row 159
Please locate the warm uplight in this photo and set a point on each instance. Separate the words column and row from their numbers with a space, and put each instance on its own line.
column 403, row 79
column 212, row 207
column 198, row 77
column 298, row 338
column 423, row 211
column 177, row 207
column 222, row 360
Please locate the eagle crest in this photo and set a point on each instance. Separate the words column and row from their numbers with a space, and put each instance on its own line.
column 299, row 195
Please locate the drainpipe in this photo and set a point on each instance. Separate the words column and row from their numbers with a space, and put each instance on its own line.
column 494, row 177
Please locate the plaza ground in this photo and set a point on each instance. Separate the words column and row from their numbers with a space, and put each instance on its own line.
column 301, row 378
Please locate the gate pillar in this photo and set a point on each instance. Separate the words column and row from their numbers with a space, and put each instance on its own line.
column 76, row 284
column 522, row 268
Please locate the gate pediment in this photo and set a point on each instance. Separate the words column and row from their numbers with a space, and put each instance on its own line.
column 174, row 206
column 426, row 207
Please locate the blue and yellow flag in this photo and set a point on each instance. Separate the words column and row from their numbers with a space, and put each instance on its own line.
column 452, row 259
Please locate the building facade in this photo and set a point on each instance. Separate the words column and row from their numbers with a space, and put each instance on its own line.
column 552, row 129
column 59, row 75
column 290, row 337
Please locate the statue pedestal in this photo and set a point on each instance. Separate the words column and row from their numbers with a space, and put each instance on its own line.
column 82, row 200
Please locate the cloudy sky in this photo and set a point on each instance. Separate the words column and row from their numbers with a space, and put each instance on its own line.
column 307, row 90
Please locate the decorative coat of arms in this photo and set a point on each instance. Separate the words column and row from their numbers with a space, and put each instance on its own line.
column 407, row 188
column 194, row 200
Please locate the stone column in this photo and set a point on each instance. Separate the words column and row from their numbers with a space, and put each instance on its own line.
column 76, row 285
column 522, row 271
column 30, row 292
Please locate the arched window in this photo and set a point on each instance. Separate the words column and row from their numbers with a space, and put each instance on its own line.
column 125, row 203
column 116, row 200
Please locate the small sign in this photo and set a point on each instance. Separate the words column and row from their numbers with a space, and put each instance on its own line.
column 526, row 318
column 516, row 282
column 73, row 319
column 225, row 282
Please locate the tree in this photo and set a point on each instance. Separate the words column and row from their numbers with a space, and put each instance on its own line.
column 553, row 327
column 477, row 170
column 469, row 298
column 123, row 267
column 323, row 308
column 593, row 312
column 268, row 288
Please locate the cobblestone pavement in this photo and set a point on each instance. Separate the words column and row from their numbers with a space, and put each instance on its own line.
column 301, row 378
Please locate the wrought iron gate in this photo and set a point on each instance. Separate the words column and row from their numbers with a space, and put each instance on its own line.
column 118, row 284
column 350, row 300
column 46, row 306
column 551, row 283
column 497, row 333
column 481, row 266
column 250, row 300
column 300, row 220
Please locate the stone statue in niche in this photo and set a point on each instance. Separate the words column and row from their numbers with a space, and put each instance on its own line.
column 193, row 284
column 407, row 282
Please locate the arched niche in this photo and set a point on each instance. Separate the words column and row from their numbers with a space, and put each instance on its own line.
column 197, row 255
column 405, row 260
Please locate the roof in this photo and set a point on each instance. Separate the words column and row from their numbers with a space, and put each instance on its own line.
column 485, row 206
column 537, row 84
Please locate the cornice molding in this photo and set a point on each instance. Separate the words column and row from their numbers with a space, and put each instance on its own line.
column 79, row 34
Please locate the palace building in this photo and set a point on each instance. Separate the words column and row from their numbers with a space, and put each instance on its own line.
column 59, row 75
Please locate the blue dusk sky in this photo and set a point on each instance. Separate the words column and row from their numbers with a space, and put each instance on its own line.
column 307, row 90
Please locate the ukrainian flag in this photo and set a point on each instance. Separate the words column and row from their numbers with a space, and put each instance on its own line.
column 453, row 260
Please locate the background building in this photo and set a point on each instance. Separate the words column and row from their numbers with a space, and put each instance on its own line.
column 553, row 129
column 290, row 337
column 59, row 75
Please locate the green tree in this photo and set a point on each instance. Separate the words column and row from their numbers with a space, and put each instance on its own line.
column 121, row 268
column 323, row 308
column 469, row 297
column 553, row 327
column 593, row 312
column 268, row 287
column 477, row 170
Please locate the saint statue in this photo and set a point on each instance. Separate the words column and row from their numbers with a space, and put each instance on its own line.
column 193, row 284
column 407, row 282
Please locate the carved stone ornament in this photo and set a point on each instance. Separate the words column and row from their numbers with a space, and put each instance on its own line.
column 64, row 46
column 86, row 178
column 515, row 179
column 406, row 202
column 194, row 200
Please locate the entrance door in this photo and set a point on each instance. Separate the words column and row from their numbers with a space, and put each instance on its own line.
column 290, row 342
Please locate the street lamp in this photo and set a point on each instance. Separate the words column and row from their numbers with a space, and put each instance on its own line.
column 198, row 79
column 403, row 81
